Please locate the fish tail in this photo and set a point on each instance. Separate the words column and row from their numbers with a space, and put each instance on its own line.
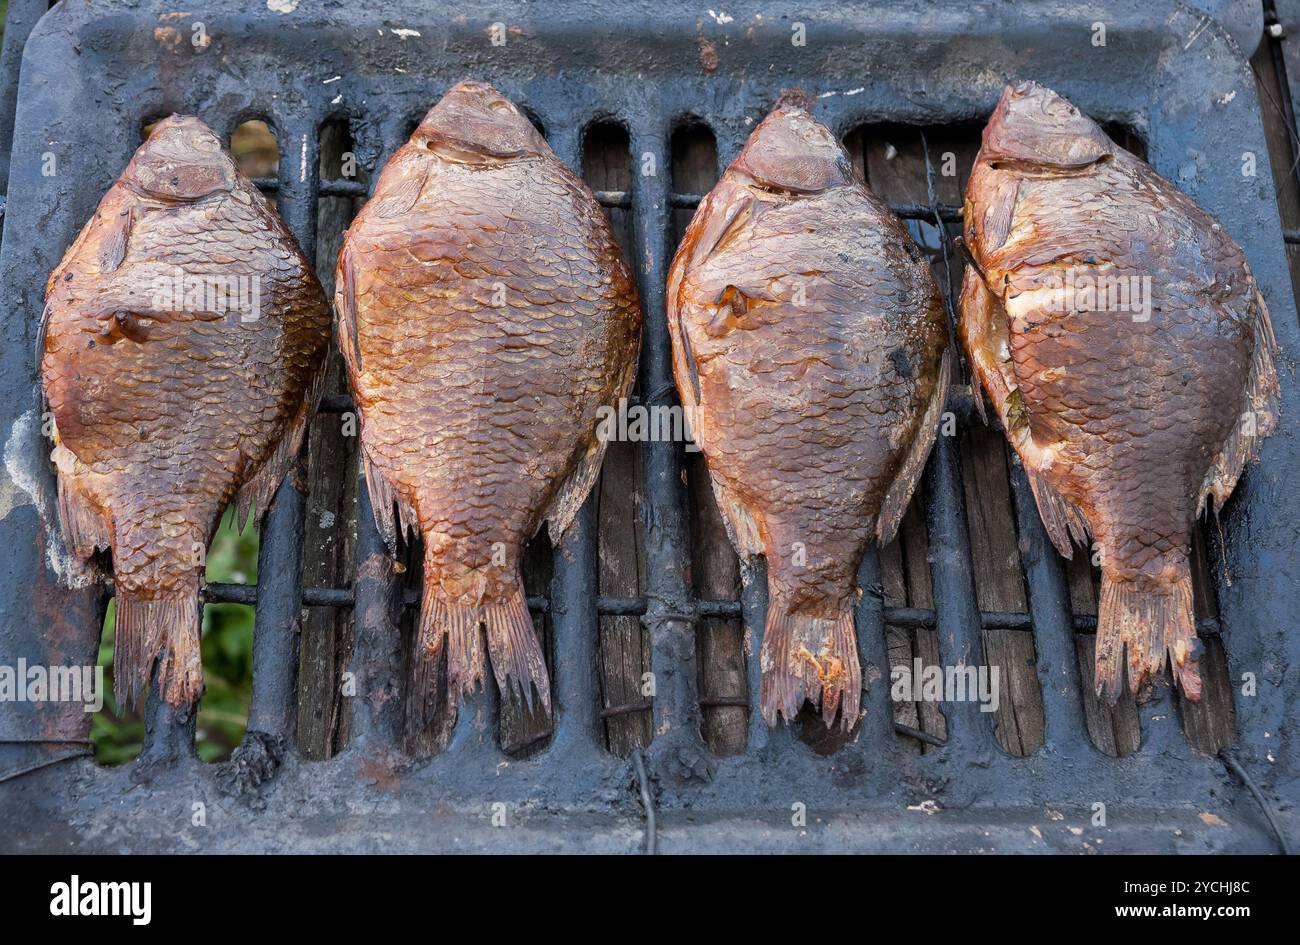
column 163, row 632
column 458, row 630
column 807, row 658
column 1151, row 623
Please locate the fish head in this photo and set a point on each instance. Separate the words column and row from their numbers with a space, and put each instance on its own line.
column 793, row 153
column 476, row 124
column 182, row 161
column 1034, row 129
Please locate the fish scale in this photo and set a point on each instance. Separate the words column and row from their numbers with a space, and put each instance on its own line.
column 1126, row 420
column 201, row 407
column 479, row 370
column 815, row 410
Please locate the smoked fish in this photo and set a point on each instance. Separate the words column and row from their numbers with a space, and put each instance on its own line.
column 1118, row 332
column 182, row 353
column 485, row 315
column 810, row 348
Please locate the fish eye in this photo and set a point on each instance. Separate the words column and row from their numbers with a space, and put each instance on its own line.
column 500, row 105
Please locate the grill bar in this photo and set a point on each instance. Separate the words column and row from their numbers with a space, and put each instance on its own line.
column 576, row 628
column 910, row 618
column 575, row 625
column 877, row 735
column 672, row 643
column 957, row 614
column 273, row 710
column 1066, row 730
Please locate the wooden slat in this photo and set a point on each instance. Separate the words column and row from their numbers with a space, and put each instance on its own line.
column 914, row 543
column 1210, row 724
column 999, row 585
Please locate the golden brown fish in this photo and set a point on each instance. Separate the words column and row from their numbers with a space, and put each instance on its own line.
column 809, row 340
column 485, row 314
column 182, row 350
column 1122, row 339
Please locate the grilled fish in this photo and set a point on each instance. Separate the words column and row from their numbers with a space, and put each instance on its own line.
column 182, row 350
column 1121, row 337
column 809, row 344
column 485, row 314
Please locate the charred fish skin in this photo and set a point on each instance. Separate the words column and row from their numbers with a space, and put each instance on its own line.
column 1120, row 335
column 809, row 343
column 182, row 352
column 485, row 315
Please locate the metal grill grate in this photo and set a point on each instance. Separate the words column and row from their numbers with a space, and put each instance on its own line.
column 909, row 63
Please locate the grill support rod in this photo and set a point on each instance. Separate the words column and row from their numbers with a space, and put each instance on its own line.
column 575, row 621
column 877, row 737
column 273, row 710
column 957, row 615
column 672, row 646
column 1065, row 727
column 576, row 628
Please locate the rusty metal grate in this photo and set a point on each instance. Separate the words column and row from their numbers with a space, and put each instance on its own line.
column 91, row 71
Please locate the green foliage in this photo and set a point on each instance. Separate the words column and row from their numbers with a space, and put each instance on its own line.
column 227, row 648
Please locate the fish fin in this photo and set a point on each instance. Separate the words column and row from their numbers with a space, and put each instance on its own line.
column 1258, row 420
column 739, row 523
column 899, row 494
column 582, row 478
column 708, row 230
column 999, row 215
column 574, row 490
column 383, row 499
column 258, row 491
column 684, row 366
column 457, row 630
column 42, row 330
column 382, row 496
column 401, row 198
column 345, row 309
column 86, row 529
column 685, row 371
column 982, row 329
column 1063, row 520
column 738, row 520
column 162, row 632
column 811, row 659
column 113, row 248
column 1151, row 625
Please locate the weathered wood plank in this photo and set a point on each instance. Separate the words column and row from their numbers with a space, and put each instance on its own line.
column 915, row 543
column 999, row 586
column 1211, row 724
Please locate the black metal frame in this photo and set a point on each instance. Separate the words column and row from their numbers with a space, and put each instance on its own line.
column 93, row 72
